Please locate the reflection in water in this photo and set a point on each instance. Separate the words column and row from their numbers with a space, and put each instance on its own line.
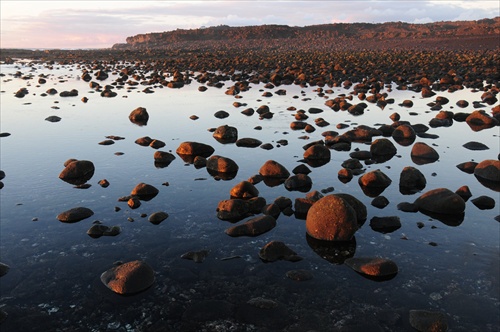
column 335, row 252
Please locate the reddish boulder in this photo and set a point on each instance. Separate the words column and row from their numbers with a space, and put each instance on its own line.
column 441, row 201
column 129, row 278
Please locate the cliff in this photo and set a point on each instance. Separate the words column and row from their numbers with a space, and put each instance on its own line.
column 315, row 35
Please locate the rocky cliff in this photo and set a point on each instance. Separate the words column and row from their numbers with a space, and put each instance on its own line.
column 315, row 36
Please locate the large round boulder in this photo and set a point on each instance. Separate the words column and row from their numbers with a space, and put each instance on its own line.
column 129, row 278
column 331, row 218
column 441, row 201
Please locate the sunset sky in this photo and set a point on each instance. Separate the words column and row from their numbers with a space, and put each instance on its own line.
column 100, row 24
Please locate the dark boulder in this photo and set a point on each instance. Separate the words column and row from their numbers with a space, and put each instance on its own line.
column 298, row 182
column 411, row 180
column 77, row 172
column 385, row 224
column 484, row 202
column 226, row 134
column 219, row 164
column 375, row 267
column 139, row 116
column 248, row 142
column 441, row 201
column 422, row 153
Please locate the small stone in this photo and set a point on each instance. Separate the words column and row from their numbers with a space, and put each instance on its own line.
column 428, row 321
column 157, row 217
column 129, row 278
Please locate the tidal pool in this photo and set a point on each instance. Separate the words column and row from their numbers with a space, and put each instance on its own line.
column 54, row 277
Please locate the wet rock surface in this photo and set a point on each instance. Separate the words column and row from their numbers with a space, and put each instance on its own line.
column 75, row 214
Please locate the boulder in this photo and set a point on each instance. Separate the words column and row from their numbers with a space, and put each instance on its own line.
column 382, row 149
column 484, row 202
column 163, row 158
column 144, row 141
column 98, row 230
column 411, row 180
column 385, row 224
column 77, row 171
column 139, row 116
column 226, row 134
column 375, row 178
column 248, row 142
column 219, row 164
column 273, row 169
column 467, row 167
column 422, row 153
column 157, row 217
column 144, row 192
column 488, row 170
column 233, row 210
column 298, row 182
column 244, row 190
column 129, row 278
column 475, row 146
column 195, row 149
column 441, row 201
column 75, row 214
column 404, row 135
column 331, row 218
column 253, row 227
column 479, row 120
column 358, row 206
column 4, row 268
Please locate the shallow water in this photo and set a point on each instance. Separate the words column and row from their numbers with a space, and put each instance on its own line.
column 53, row 283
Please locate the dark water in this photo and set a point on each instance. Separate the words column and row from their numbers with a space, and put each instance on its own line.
column 53, row 282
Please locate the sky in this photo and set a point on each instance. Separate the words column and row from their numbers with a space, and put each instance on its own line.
column 100, row 24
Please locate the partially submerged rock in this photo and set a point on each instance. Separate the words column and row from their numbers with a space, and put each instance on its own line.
column 144, row 191
column 428, row 321
column 77, row 171
column 441, row 201
column 129, row 278
column 277, row 250
column 253, row 227
column 75, row 214
column 376, row 267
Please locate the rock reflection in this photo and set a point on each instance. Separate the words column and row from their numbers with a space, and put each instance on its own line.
column 335, row 252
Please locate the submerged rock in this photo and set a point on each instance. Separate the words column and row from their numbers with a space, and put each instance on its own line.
column 98, row 230
column 196, row 256
column 129, row 278
column 411, row 180
column 484, row 202
column 373, row 266
column 4, row 268
column 428, row 321
column 253, row 227
column 277, row 250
